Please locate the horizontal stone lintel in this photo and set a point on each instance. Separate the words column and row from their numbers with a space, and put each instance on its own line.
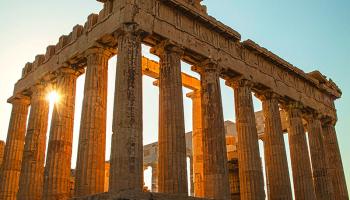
column 232, row 56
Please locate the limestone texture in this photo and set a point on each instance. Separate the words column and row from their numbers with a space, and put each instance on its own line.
column 250, row 173
column 197, row 143
column 216, row 183
column 172, row 170
column 276, row 165
column 126, row 156
column 334, row 162
column 32, row 171
column 322, row 181
column 59, row 153
column 13, row 154
column 301, row 167
column 90, row 170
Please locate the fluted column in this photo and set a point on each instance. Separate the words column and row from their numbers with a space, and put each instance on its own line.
column 301, row 167
column 127, row 146
column 277, row 173
column 334, row 161
column 90, row 170
column 59, row 153
column 197, row 143
column 172, row 175
column 216, row 183
column 2, row 150
column 32, row 172
column 250, row 170
column 191, row 176
column 13, row 154
column 322, row 181
column 155, row 177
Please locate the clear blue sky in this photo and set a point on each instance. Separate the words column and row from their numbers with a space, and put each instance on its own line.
column 313, row 34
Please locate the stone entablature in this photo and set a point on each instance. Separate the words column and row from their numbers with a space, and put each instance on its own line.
column 202, row 37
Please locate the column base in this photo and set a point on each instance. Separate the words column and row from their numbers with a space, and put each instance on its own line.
column 132, row 195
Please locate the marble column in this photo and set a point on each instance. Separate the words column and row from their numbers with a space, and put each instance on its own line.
column 197, row 143
column 32, row 172
column 216, row 182
column 277, row 173
column 59, row 153
column 334, row 161
column 191, row 176
column 301, row 167
column 13, row 154
column 90, row 170
column 155, row 177
column 172, row 170
column 2, row 149
column 250, row 169
column 322, row 181
column 126, row 171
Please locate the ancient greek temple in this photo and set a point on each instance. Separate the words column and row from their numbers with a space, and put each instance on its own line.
column 177, row 31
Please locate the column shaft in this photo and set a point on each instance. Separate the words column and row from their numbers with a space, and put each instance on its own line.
column 334, row 161
column 277, row 172
column 197, row 143
column 250, row 170
column 155, row 177
column 216, row 183
column 32, row 172
column 322, row 181
column 127, row 146
column 172, row 175
column 301, row 167
column 59, row 153
column 2, row 149
column 13, row 154
column 90, row 170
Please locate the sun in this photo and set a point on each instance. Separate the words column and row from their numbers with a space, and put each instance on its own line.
column 53, row 97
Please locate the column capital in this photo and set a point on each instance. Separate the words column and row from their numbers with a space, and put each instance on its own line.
column 267, row 95
column 239, row 82
column 131, row 30
column 194, row 94
column 207, row 66
column 39, row 88
column 19, row 99
column 312, row 115
column 102, row 50
column 292, row 105
column 69, row 71
column 328, row 121
column 167, row 46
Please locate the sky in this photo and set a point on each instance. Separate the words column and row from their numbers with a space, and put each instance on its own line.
column 313, row 35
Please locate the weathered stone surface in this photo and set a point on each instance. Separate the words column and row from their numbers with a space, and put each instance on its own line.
column 13, row 153
column 216, row 183
column 301, row 167
column 322, row 181
column 172, row 175
column 250, row 173
column 126, row 156
column 32, row 172
column 2, row 150
column 334, row 162
column 90, row 170
column 59, row 153
column 197, row 143
column 276, row 165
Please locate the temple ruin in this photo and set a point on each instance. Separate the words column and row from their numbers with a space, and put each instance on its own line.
column 177, row 30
